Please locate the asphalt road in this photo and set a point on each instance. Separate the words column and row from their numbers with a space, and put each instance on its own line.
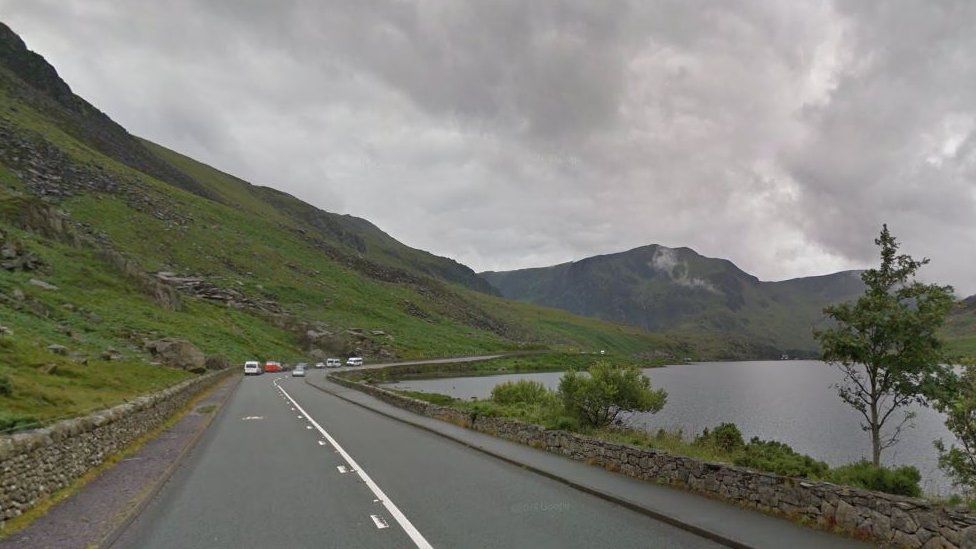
column 296, row 467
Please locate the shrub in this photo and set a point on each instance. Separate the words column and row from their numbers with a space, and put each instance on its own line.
column 777, row 457
column 597, row 399
column 562, row 423
column 726, row 437
column 10, row 422
column 956, row 399
column 6, row 388
column 902, row 481
column 523, row 390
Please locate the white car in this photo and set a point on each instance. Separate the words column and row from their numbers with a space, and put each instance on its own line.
column 333, row 363
column 252, row 368
column 320, row 365
column 354, row 361
column 298, row 371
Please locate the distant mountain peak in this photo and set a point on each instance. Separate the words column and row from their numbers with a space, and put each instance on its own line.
column 675, row 288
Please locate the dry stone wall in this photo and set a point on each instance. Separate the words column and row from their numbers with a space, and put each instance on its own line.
column 890, row 520
column 36, row 463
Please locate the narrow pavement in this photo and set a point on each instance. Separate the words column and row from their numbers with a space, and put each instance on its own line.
column 286, row 465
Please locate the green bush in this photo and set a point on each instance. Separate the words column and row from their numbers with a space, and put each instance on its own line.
column 726, row 437
column 562, row 423
column 902, row 481
column 777, row 457
column 523, row 390
column 596, row 400
column 6, row 388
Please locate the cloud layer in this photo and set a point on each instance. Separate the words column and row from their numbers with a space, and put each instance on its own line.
column 512, row 134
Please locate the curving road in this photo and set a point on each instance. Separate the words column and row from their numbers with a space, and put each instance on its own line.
column 286, row 465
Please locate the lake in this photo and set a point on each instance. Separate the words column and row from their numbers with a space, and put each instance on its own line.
column 792, row 401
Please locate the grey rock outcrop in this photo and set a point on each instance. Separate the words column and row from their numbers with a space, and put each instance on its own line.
column 178, row 353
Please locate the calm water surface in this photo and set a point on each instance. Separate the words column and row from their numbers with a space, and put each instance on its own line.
column 790, row 401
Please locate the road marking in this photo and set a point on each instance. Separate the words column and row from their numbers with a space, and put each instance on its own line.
column 321, row 443
column 251, row 418
column 343, row 469
column 380, row 523
column 308, row 426
column 408, row 527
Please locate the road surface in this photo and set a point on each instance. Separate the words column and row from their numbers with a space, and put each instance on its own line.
column 286, row 465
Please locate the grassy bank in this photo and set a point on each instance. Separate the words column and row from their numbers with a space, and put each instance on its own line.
column 37, row 386
column 534, row 362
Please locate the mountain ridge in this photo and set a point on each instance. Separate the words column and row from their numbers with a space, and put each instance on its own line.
column 677, row 289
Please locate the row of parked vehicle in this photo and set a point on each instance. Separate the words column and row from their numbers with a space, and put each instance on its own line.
column 254, row 368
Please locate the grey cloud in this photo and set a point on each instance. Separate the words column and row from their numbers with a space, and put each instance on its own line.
column 514, row 134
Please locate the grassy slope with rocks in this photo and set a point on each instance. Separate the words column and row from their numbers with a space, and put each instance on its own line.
column 98, row 213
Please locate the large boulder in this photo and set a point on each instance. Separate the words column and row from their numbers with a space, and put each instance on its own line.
column 178, row 353
column 217, row 362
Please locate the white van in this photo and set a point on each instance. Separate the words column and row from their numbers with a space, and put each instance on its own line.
column 354, row 361
column 252, row 368
column 333, row 363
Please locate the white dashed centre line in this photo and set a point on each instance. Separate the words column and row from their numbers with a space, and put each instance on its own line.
column 401, row 519
column 379, row 521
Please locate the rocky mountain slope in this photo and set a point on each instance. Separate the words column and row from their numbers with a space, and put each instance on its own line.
column 113, row 248
column 677, row 289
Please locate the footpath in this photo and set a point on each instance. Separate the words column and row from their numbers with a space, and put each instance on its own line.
column 721, row 522
column 95, row 514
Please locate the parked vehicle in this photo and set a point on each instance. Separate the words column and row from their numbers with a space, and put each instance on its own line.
column 272, row 366
column 301, row 365
column 354, row 361
column 299, row 371
column 333, row 363
column 252, row 368
column 320, row 365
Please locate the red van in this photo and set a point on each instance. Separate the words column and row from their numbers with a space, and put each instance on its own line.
column 272, row 367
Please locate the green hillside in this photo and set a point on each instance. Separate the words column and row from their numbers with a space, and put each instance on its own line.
column 110, row 242
column 961, row 329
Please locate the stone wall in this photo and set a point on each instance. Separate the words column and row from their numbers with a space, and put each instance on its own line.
column 36, row 463
column 884, row 518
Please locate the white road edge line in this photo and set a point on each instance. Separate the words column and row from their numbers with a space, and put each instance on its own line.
column 408, row 527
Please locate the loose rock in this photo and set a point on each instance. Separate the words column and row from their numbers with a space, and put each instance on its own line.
column 42, row 284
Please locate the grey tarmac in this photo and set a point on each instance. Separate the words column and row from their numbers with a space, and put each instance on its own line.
column 264, row 476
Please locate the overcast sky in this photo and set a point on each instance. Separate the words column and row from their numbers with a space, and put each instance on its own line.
column 779, row 135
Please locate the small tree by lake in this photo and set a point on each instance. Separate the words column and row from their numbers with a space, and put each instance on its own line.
column 957, row 400
column 598, row 398
column 886, row 344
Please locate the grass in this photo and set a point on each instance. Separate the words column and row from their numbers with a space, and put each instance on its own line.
column 45, row 386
